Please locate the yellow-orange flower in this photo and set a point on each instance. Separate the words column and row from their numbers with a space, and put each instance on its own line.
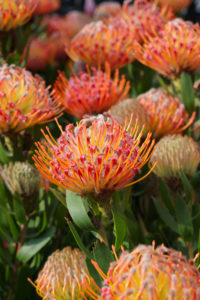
column 149, row 273
column 24, row 100
column 90, row 93
column 144, row 18
column 175, row 50
column 173, row 154
column 14, row 13
column 97, row 156
column 64, row 276
column 177, row 5
column 161, row 113
column 47, row 6
column 98, row 43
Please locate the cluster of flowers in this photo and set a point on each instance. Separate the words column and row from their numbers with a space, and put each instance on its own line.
column 112, row 140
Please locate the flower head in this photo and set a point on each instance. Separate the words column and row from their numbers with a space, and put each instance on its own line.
column 97, row 156
column 14, row 13
column 175, row 153
column 90, row 93
column 21, row 178
column 64, row 276
column 149, row 273
column 69, row 25
column 41, row 52
column 144, row 18
column 177, row 5
column 98, row 43
column 24, row 100
column 175, row 50
column 47, row 6
column 123, row 110
column 160, row 112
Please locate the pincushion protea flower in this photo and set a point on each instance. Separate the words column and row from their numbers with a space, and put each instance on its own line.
column 69, row 25
column 14, row 13
column 64, row 276
column 149, row 273
column 175, row 153
column 177, row 5
column 144, row 18
column 98, row 43
column 47, row 6
column 173, row 51
column 161, row 112
column 24, row 100
column 123, row 110
column 97, row 156
column 41, row 52
column 90, row 93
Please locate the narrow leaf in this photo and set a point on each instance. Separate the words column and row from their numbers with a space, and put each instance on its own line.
column 119, row 226
column 187, row 92
column 165, row 193
column 78, row 240
column 184, row 219
column 165, row 215
column 13, row 226
column 19, row 209
column 187, row 187
column 59, row 196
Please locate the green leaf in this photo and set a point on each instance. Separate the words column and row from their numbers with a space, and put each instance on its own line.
column 78, row 210
column 19, row 209
column 163, row 84
column 165, row 215
column 32, row 247
column 78, row 240
column 187, row 92
column 13, row 226
column 103, row 256
column 119, row 225
column 187, row 187
column 3, row 155
column 184, row 219
column 165, row 193
column 59, row 196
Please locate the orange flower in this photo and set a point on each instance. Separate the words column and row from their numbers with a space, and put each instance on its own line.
column 47, row 6
column 175, row 50
column 14, row 13
column 160, row 112
column 69, row 25
column 90, row 93
column 97, row 156
column 149, row 273
column 144, row 18
column 98, row 43
column 173, row 154
column 40, row 53
column 64, row 276
column 177, row 5
column 24, row 100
